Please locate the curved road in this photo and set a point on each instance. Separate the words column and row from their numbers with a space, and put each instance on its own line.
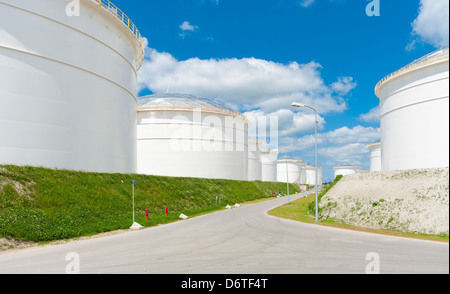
column 242, row 240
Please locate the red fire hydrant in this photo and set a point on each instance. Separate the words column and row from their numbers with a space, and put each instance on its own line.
column 146, row 214
column 167, row 211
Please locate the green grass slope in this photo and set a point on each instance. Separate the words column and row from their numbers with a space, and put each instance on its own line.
column 38, row 204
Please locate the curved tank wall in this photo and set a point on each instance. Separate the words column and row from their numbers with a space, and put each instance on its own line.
column 67, row 87
column 288, row 170
column 415, row 114
column 345, row 170
column 187, row 136
column 269, row 165
column 254, row 160
column 303, row 176
column 311, row 175
column 375, row 157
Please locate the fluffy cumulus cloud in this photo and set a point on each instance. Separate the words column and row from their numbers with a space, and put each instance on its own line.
column 344, row 85
column 343, row 146
column 245, row 84
column 432, row 24
column 373, row 116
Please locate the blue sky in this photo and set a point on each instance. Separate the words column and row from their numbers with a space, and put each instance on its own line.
column 258, row 56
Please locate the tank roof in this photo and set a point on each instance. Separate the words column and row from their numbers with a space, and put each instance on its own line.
column 312, row 167
column 289, row 160
column 126, row 21
column 346, row 167
column 174, row 101
column 377, row 144
column 431, row 56
column 437, row 56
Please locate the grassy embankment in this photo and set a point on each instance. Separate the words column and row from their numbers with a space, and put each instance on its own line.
column 40, row 205
column 303, row 210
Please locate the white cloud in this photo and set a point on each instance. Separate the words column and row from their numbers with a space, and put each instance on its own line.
column 290, row 123
column 356, row 134
column 306, row 3
column 246, row 84
column 372, row 116
column 356, row 154
column 186, row 26
column 344, row 85
column 432, row 24
column 201, row 2
column 338, row 147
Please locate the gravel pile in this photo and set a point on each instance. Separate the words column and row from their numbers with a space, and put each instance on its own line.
column 414, row 201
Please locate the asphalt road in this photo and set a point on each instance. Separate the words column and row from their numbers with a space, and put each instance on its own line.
column 242, row 240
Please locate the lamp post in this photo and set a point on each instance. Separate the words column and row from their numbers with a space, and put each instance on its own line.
column 300, row 105
column 133, row 183
column 287, row 180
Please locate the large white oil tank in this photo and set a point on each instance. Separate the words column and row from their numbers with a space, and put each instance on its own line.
column 68, row 74
column 415, row 114
column 254, row 160
column 288, row 170
column 375, row 157
column 346, row 170
column 311, row 175
column 269, row 165
column 181, row 135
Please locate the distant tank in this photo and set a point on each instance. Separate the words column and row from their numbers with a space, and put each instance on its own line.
column 288, row 170
column 375, row 157
column 254, row 160
column 311, row 175
column 346, row 170
column 180, row 135
column 269, row 165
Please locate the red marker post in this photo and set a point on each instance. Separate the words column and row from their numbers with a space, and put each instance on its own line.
column 146, row 214
column 167, row 211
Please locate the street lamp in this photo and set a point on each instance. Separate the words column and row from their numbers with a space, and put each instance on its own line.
column 287, row 179
column 133, row 183
column 300, row 105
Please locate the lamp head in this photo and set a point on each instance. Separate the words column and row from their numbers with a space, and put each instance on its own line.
column 298, row 105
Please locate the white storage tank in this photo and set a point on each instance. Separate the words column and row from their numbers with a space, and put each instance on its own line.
column 303, row 175
column 415, row 114
column 288, row 170
column 68, row 85
column 254, row 160
column 311, row 175
column 181, row 135
column 346, row 170
column 375, row 157
column 269, row 165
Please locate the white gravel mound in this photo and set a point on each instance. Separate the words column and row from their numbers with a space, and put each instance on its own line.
column 414, row 201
